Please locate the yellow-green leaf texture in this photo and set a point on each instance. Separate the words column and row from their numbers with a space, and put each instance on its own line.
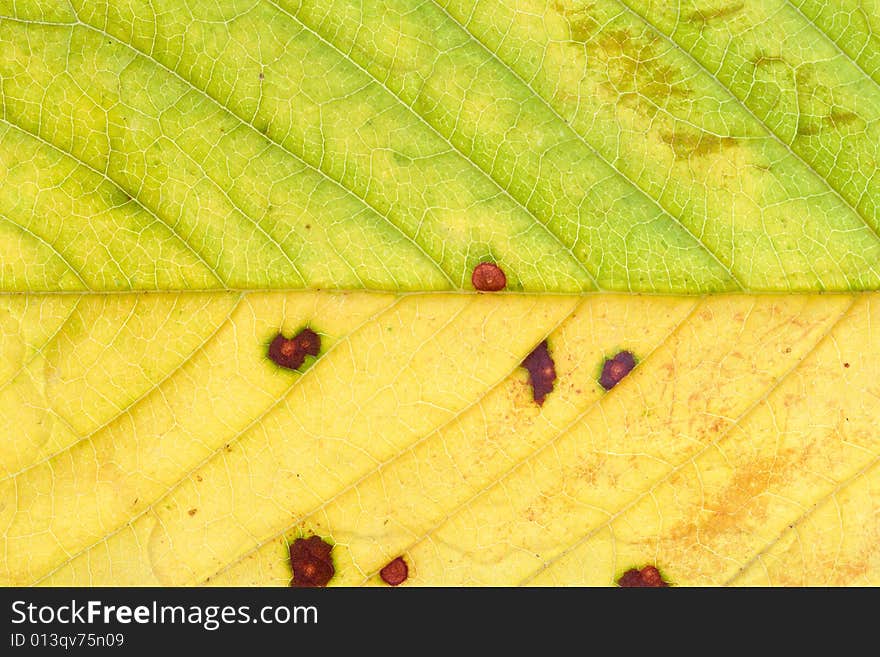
column 693, row 181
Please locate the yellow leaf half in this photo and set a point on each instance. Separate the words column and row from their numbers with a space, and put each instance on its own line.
column 149, row 441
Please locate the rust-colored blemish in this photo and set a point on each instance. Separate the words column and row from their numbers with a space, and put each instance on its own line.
column 645, row 577
column 311, row 562
column 616, row 368
column 308, row 342
column 840, row 117
column 542, row 372
column 818, row 104
column 283, row 352
column 291, row 353
column 807, row 128
column 488, row 277
column 837, row 120
column 636, row 70
column 192, row 512
column 395, row 572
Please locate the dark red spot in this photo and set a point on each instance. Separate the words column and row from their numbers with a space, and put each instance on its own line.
column 291, row 353
column 395, row 573
column 648, row 576
column 616, row 368
column 542, row 372
column 308, row 342
column 488, row 277
column 846, row 364
column 283, row 352
column 311, row 562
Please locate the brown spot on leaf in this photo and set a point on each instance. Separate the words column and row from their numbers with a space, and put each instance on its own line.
column 615, row 369
column 580, row 23
column 488, row 277
column 639, row 76
column 637, row 73
column 846, row 364
column 719, row 13
column 395, row 573
column 819, row 105
column 842, row 117
column 837, row 120
column 807, row 127
column 688, row 142
column 283, row 352
column 308, row 342
column 646, row 577
column 311, row 562
column 192, row 512
column 291, row 353
column 542, row 372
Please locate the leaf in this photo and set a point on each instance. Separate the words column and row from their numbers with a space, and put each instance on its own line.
column 183, row 181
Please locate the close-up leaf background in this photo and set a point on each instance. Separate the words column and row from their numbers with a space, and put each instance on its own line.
column 695, row 182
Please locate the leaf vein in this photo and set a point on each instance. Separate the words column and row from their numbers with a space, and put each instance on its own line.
column 550, row 442
column 48, row 244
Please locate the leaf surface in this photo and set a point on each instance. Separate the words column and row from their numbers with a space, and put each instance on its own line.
column 742, row 448
column 263, row 144
column 180, row 182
